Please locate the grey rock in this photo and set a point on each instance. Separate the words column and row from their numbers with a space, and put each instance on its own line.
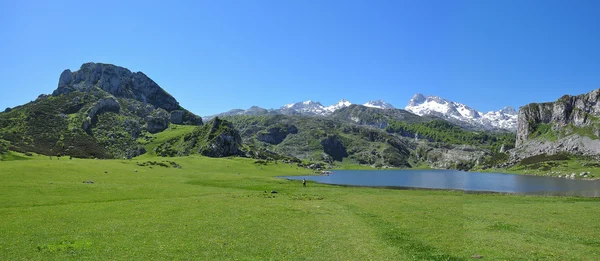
column 222, row 140
column 157, row 121
column 575, row 110
column 563, row 115
column 105, row 105
column 65, row 78
column 185, row 117
column 463, row 157
column 117, row 81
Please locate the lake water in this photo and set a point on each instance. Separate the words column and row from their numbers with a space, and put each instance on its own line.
column 460, row 180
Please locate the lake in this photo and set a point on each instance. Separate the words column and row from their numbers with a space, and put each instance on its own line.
column 460, row 180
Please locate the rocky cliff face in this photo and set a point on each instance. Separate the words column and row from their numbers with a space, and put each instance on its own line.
column 560, row 126
column 118, row 81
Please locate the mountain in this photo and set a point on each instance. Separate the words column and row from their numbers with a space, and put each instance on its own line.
column 311, row 108
column 322, row 139
column 379, row 104
column 254, row 110
column 306, row 108
column 100, row 110
column 371, row 116
column 570, row 124
column 341, row 104
column 505, row 119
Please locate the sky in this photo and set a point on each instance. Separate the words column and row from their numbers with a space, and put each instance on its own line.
column 213, row 56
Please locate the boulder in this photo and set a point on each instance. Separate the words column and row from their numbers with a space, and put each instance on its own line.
column 157, row 121
column 185, row 117
column 65, row 78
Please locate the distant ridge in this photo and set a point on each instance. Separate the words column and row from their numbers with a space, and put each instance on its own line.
column 505, row 118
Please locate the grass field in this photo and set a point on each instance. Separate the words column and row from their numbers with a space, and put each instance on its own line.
column 222, row 209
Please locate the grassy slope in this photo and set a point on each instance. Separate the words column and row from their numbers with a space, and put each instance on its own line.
column 154, row 140
column 215, row 209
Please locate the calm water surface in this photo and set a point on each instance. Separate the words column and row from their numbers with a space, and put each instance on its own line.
column 460, row 180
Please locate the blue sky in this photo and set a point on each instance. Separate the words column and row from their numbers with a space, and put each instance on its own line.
column 218, row 55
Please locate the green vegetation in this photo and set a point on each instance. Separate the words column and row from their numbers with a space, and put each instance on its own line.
column 446, row 132
column 83, row 124
column 555, row 165
column 542, row 131
column 152, row 141
column 590, row 131
column 222, row 209
column 312, row 137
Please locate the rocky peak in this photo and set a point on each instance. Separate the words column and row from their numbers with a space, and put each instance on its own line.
column 509, row 110
column 417, row 99
column 341, row 104
column 460, row 113
column 379, row 104
column 117, row 81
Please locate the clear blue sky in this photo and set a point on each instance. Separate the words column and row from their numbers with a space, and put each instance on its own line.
column 218, row 55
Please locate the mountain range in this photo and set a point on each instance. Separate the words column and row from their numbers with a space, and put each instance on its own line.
column 504, row 119
column 107, row 111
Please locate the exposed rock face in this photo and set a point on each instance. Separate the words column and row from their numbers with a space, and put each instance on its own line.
column 117, row 81
column 185, row 117
column 573, row 144
column 562, row 118
column 462, row 157
column 334, row 148
column 222, row 140
column 158, row 121
column 105, row 105
column 65, row 78
column 276, row 134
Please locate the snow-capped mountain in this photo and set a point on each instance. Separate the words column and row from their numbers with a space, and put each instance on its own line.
column 341, row 104
column 379, row 104
column 458, row 112
column 309, row 108
column 312, row 108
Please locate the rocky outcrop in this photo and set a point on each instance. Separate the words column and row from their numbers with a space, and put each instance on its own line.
column 117, row 81
column 564, row 120
column 65, row 78
column 157, row 121
column 462, row 157
column 185, row 117
column 574, row 144
column 222, row 140
column 334, row 148
column 276, row 134
column 105, row 105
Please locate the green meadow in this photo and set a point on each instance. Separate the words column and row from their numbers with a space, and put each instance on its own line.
column 198, row 208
